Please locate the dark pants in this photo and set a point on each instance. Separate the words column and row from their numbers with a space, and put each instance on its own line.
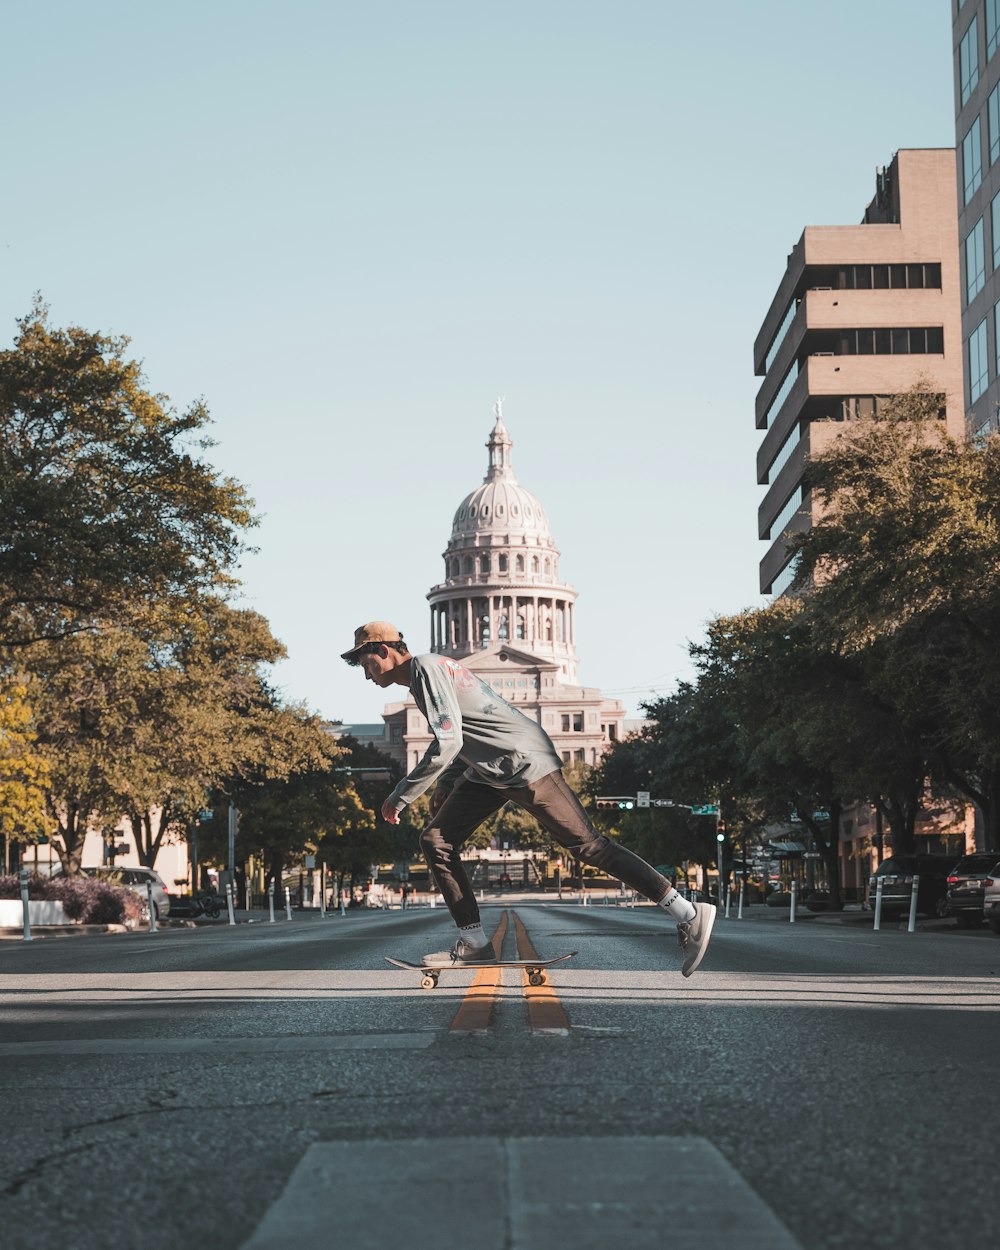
column 556, row 808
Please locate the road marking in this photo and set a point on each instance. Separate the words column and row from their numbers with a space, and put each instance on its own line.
column 529, row 1193
column 223, row 1045
column 474, row 1015
column 545, row 1012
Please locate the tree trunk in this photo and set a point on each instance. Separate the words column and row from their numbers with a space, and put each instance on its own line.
column 70, row 847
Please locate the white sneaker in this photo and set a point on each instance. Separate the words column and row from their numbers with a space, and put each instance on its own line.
column 461, row 953
column 693, row 936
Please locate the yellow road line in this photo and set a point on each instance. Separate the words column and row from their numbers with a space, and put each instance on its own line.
column 473, row 1016
column 545, row 1011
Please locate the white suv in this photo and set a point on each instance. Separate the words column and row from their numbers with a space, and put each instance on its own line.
column 991, row 898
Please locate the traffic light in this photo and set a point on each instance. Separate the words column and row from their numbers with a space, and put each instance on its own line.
column 624, row 802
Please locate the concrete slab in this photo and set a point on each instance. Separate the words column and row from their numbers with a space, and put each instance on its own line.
column 520, row 1194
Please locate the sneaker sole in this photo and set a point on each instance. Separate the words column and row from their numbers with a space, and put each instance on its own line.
column 703, row 945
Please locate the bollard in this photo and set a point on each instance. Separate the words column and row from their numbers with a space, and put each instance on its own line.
column 739, row 910
column 912, row 923
column 288, row 903
column 270, row 902
column 229, row 902
column 24, row 905
column 322, row 891
column 343, row 905
column 878, row 903
column 433, row 901
column 729, row 896
column 791, row 914
column 152, row 906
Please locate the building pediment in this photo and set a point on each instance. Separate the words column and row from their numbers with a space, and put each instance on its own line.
column 490, row 661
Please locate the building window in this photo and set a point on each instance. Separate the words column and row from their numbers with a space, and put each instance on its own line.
column 784, row 453
column 502, row 564
column 975, row 261
column 484, row 564
column 993, row 122
column 898, row 341
column 992, row 26
column 579, row 756
column 519, row 564
column 785, row 578
column 780, row 522
column 995, row 230
column 783, row 329
column 972, row 160
column 979, row 369
column 996, row 326
column 885, row 277
column 784, row 390
column 968, row 60
column 578, row 722
column 565, row 722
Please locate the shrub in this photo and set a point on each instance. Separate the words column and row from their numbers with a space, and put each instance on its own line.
column 87, row 900
column 84, row 899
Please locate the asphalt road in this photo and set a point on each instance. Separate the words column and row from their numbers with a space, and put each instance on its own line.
column 814, row 1085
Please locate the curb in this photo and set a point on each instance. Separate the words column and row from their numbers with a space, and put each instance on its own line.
column 16, row 934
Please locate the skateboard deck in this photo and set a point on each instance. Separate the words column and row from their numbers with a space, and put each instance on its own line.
column 429, row 979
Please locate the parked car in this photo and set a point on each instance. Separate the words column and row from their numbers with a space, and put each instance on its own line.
column 137, row 880
column 964, row 899
column 896, row 874
column 991, row 898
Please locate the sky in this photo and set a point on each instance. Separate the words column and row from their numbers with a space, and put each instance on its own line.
column 349, row 228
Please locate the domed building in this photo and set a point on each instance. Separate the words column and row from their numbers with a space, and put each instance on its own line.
column 503, row 611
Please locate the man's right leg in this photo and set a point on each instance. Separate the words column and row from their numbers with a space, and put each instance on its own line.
column 459, row 816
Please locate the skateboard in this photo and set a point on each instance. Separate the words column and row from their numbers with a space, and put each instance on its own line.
column 429, row 979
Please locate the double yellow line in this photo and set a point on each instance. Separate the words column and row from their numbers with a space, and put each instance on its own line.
column 545, row 1012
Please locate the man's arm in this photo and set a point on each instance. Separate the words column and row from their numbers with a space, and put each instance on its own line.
column 440, row 765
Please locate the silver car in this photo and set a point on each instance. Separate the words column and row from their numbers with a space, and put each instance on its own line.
column 138, row 880
column 991, row 898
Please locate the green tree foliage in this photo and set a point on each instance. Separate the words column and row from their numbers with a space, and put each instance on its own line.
column 24, row 769
column 903, row 572
column 146, row 716
column 104, row 496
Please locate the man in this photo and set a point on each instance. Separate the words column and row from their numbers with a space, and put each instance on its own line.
column 485, row 753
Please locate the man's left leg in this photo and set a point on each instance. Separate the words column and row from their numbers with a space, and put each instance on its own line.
column 556, row 808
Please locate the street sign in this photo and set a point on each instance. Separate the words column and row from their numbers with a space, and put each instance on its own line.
column 705, row 809
column 642, row 798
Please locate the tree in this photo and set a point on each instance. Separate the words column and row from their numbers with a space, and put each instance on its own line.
column 104, row 496
column 24, row 770
column 147, row 716
column 904, row 570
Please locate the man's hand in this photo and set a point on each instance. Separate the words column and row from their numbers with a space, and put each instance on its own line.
column 390, row 812
column 438, row 798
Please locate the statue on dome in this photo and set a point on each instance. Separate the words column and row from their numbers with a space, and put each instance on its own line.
column 498, row 408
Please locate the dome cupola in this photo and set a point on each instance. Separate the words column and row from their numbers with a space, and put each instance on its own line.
column 502, row 570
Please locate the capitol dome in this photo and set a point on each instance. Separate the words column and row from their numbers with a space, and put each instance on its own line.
column 502, row 585
column 501, row 503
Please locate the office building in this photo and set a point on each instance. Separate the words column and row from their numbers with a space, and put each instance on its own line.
column 861, row 313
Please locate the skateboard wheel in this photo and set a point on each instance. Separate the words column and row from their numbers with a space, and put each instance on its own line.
column 535, row 978
column 428, row 982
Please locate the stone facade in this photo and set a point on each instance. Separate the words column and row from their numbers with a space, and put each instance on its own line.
column 503, row 611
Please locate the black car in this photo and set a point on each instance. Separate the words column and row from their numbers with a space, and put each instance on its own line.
column 964, row 899
column 897, row 874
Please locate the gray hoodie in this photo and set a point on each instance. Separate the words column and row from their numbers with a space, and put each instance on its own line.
column 476, row 734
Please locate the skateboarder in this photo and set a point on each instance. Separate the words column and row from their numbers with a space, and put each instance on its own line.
column 484, row 753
